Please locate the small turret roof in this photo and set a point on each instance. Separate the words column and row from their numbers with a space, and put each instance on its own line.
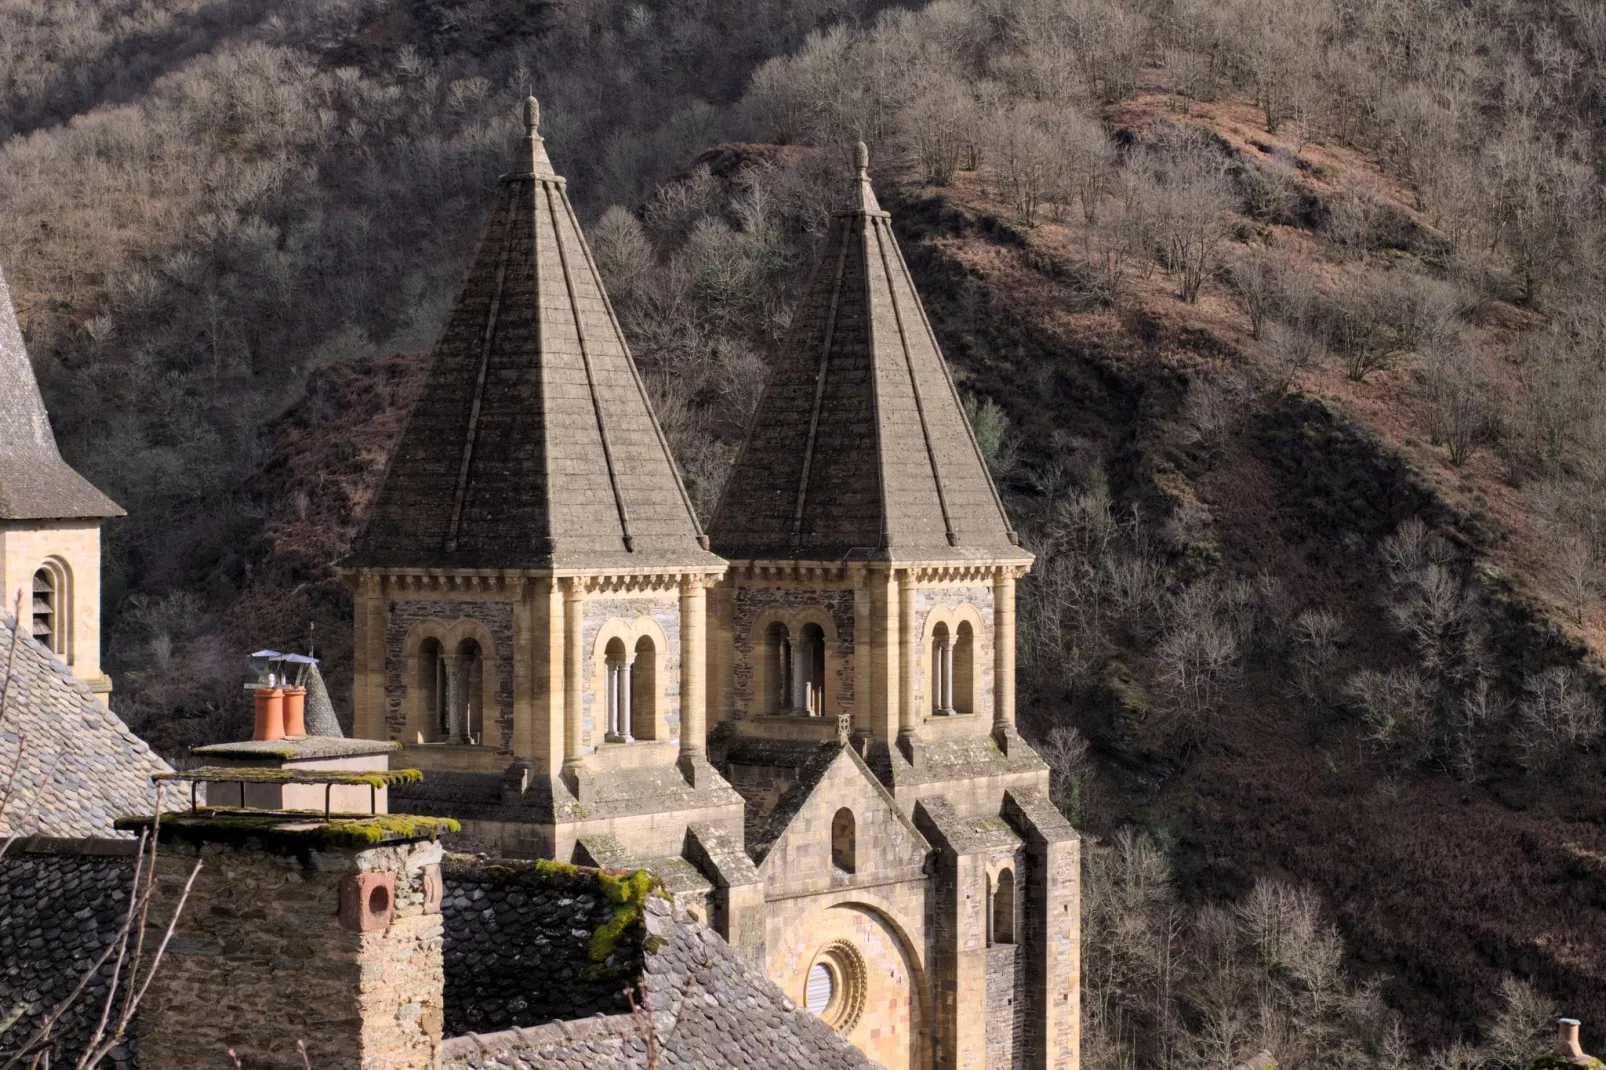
column 35, row 483
column 532, row 444
column 860, row 447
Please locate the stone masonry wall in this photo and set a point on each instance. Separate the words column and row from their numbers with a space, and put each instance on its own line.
column 497, row 618
column 518, row 942
column 751, row 602
column 261, row 960
column 1006, row 1011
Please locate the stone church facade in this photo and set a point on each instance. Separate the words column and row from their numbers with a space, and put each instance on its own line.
column 801, row 719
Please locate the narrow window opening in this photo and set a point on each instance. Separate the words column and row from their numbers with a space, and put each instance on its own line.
column 432, row 690
column 778, row 654
column 942, row 671
column 46, row 610
column 843, row 849
column 617, row 691
column 642, row 674
column 465, row 697
column 1004, row 908
column 962, row 686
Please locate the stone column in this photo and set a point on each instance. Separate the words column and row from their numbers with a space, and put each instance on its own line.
column 693, row 686
column 573, row 683
column 1004, row 649
column 454, row 700
column 909, row 650
column 783, row 682
column 610, row 699
column 800, row 674
column 626, row 700
column 948, row 674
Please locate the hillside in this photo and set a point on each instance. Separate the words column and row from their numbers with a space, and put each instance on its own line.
column 1278, row 324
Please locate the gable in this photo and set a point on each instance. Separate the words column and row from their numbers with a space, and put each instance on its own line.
column 798, row 854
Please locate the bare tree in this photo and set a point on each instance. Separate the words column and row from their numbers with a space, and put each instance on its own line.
column 1177, row 191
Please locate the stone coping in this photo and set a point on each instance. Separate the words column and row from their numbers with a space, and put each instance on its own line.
column 300, row 748
column 208, row 774
column 291, row 829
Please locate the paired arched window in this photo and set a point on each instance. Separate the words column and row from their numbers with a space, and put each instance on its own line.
column 796, row 672
column 953, row 669
column 843, row 848
column 630, row 688
column 1001, row 919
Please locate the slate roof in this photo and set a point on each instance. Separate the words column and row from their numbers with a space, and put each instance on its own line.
column 35, row 483
column 81, row 767
column 860, row 447
column 532, row 444
column 58, row 912
column 710, row 1011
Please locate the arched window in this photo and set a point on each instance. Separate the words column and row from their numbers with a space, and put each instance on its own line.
column 465, row 694
column 843, row 850
column 431, row 684
column 642, row 676
column 1003, row 913
column 48, row 618
column 778, row 656
column 962, row 686
column 810, row 697
column 942, row 670
column 617, row 689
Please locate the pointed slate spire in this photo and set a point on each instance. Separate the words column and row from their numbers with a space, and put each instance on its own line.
column 860, row 447
column 532, row 444
column 35, row 483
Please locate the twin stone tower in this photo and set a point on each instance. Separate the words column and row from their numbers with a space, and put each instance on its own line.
column 802, row 718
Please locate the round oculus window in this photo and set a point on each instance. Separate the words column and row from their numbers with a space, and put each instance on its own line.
column 835, row 988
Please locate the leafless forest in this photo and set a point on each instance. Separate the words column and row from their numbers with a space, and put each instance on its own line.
column 1391, row 209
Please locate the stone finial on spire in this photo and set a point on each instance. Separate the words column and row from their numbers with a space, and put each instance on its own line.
column 865, row 201
column 534, row 150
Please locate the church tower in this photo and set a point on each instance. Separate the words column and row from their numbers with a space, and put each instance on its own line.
column 50, row 518
column 864, row 685
column 530, row 587
column 873, row 567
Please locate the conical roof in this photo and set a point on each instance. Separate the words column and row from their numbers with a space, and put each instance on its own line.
column 35, row 483
column 532, row 444
column 860, row 447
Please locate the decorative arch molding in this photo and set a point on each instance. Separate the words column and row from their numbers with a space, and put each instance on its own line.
column 59, row 618
column 950, row 618
column 650, row 718
column 885, row 914
column 765, row 669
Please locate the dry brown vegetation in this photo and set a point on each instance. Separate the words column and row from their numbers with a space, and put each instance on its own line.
column 1278, row 321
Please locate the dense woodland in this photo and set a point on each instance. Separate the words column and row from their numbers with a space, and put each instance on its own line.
column 1279, row 322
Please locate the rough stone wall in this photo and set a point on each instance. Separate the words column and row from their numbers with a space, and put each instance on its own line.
column 261, row 960
column 751, row 602
column 497, row 618
column 665, row 610
column 58, row 912
column 1006, row 1012
column 518, row 939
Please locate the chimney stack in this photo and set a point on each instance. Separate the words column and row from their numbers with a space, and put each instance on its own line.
column 1567, row 1045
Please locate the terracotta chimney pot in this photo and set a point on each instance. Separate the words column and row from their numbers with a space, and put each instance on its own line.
column 270, row 713
column 1567, row 1039
column 295, row 711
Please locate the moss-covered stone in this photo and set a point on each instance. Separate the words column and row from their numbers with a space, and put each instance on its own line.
column 291, row 829
column 1552, row 1061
